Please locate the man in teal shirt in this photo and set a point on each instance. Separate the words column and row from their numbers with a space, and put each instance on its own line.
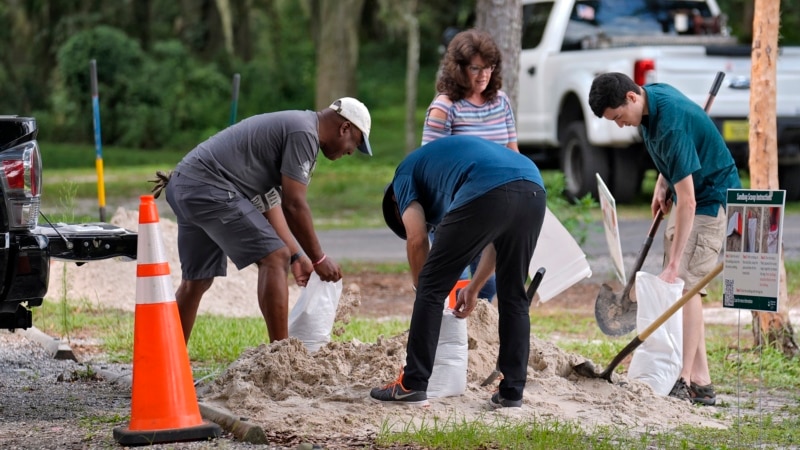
column 695, row 170
column 479, row 197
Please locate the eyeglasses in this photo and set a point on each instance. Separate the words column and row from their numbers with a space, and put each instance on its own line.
column 473, row 69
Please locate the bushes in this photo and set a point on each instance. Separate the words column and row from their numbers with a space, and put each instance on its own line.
column 161, row 99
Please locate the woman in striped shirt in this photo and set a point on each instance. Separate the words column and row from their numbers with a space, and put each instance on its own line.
column 469, row 101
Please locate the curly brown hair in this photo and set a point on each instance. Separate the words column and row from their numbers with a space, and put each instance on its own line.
column 453, row 79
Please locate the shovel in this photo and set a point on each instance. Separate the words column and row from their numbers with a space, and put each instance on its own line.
column 615, row 315
column 535, row 282
column 588, row 370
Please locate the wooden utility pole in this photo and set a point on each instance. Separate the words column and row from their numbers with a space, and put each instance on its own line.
column 768, row 328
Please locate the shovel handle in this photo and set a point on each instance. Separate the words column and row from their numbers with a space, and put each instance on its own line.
column 535, row 282
column 651, row 233
column 714, row 89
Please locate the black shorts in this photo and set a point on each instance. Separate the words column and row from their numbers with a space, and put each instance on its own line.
column 215, row 224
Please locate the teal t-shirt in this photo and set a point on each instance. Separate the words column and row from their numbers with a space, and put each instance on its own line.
column 682, row 140
column 452, row 171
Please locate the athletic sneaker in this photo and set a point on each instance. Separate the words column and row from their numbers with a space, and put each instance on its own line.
column 680, row 390
column 395, row 393
column 497, row 401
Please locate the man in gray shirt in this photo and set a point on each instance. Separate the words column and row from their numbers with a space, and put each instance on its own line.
column 225, row 194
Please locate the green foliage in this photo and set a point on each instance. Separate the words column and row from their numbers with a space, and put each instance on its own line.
column 575, row 216
column 283, row 76
column 119, row 59
column 154, row 100
column 175, row 101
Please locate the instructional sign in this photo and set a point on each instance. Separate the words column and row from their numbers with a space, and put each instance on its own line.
column 751, row 278
column 609, row 207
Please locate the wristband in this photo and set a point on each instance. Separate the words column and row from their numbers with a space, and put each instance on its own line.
column 295, row 257
column 324, row 256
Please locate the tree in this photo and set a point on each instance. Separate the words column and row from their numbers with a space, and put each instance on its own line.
column 336, row 40
column 503, row 20
column 769, row 328
column 401, row 17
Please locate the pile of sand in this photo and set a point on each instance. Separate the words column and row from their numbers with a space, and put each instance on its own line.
column 285, row 389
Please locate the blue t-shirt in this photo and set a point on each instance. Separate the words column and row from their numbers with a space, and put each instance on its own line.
column 682, row 140
column 454, row 170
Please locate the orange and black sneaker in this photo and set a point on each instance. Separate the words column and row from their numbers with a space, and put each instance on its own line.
column 395, row 393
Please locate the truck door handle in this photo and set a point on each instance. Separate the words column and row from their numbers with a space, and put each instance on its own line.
column 532, row 70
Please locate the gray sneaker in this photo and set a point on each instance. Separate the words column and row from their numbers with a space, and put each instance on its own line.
column 497, row 401
column 680, row 391
column 396, row 393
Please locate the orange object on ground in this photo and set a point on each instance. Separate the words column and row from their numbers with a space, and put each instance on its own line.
column 460, row 284
column 164, row 404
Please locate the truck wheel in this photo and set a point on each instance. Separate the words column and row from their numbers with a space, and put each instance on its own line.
column 580, row 161
column 626, row 174
column 789, row 180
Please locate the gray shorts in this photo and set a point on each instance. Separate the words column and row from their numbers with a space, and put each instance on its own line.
column 215, row 224
column 702, row 250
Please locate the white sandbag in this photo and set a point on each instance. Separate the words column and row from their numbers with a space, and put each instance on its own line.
column 311, row 319
column 659, row 359
column 449, row 375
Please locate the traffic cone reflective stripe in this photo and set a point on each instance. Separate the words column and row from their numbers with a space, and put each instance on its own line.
column 164, row 404
column 153, row 284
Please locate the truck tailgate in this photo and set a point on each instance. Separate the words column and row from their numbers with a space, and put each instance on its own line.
column 89, row 241
column 692, row 69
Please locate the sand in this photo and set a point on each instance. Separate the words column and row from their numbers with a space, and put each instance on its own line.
column 284, row 388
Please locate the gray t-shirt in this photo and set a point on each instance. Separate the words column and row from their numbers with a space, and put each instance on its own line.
column 250, row 156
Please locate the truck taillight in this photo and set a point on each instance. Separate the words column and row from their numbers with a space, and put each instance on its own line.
column 644, row 71
column 21, row 178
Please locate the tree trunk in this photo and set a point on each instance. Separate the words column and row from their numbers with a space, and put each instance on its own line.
column 337, row 50
column 226, row 24
column 242, row 31
column 768, row 328
column 503, row 20
column 412, row 75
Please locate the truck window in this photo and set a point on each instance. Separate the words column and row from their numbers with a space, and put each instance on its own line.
column 534, row 19
column 591, row 20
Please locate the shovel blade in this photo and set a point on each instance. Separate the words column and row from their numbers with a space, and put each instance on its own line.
column 616, row 316
column 491, row 378
column 586, row 369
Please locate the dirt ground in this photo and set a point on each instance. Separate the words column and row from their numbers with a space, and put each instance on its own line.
column 386, row 295
column 319, row 397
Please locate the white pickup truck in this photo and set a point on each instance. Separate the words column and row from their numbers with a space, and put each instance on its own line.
column 566, row 43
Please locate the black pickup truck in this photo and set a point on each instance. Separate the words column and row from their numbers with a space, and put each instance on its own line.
column 26, row 248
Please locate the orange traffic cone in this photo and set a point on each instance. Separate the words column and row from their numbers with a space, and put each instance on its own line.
column 164, row 404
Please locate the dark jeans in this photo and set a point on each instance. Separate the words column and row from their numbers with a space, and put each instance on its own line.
column 490, row 288
column 510, row 216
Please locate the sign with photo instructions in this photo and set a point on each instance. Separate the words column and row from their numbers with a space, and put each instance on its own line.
column 753, row 238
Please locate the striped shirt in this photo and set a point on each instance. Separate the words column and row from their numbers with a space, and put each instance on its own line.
column 494, row 120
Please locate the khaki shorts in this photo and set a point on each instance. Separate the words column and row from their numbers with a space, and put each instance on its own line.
column 702, row 249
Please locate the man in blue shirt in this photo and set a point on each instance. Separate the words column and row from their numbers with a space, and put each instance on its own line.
column 695, row 170
column 479, row 197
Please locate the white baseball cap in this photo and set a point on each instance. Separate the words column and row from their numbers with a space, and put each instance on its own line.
column 358, row 114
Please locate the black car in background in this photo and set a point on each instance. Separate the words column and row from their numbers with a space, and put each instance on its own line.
column 26, row 248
